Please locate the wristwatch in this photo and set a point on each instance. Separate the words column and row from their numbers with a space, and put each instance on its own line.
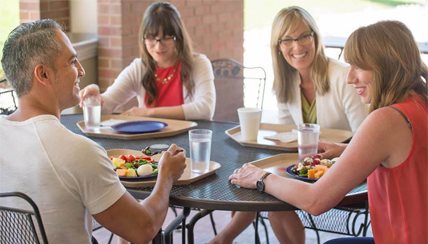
column 260, row 184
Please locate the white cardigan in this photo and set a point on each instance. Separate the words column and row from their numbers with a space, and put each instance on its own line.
column 200, row 105
column 340, row 108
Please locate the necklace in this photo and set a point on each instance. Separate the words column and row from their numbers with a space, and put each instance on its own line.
column 168, row 78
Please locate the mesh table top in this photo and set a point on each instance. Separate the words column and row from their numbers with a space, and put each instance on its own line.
column 215, row 191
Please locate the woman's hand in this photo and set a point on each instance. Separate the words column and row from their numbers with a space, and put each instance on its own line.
column 331, row 150
column 90, row 90
column 136, row 111
column 246, row 176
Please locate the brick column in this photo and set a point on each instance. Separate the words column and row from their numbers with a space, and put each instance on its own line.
column 118, row 23
column 58, row 10
column 29, row 10
column 216, row 28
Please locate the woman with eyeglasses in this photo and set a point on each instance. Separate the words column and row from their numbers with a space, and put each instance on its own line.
column 390, row 148
column 168, row 79
column 310, row 88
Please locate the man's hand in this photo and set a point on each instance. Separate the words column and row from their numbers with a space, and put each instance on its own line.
column 331, row 150
column 172, row 163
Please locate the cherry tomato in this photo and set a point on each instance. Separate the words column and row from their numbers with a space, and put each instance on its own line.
column 131, row 158
column 147, row 158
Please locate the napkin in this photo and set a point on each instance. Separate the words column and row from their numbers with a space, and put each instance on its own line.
column 285, row 137
column 110, row 122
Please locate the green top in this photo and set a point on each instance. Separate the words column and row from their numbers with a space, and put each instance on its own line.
column 309, row 111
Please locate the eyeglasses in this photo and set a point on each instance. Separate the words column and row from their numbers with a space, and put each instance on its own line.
column 166, row 40
column 302, row 40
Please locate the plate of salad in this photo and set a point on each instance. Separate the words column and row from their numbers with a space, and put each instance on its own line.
column 132, row 165
column 310, row 169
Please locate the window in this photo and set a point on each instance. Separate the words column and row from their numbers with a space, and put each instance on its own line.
column 9, row 19
column 336, row 20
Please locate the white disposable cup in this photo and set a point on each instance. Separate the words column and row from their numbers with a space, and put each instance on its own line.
column 92, row 112
column 249, row 121
column 307, row 139
column 200, row 149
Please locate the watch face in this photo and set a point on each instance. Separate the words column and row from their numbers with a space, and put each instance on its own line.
column 260, row 186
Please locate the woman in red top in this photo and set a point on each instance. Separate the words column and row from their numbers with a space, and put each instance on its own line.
column 168, row 79
column 390, row 147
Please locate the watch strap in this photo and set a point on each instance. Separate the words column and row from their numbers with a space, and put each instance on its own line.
column 264, row 176
column 261, row 182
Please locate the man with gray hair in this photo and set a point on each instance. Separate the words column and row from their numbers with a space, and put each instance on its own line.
column 70, row 177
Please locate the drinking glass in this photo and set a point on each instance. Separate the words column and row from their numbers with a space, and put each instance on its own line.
column 307, row 140
column 92, row 112
column 200, row 149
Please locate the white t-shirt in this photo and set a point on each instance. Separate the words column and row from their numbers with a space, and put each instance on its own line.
column 68, row 176
column 200, row 105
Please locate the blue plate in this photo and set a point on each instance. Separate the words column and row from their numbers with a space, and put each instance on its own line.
column 135, row 127
column 294, row 175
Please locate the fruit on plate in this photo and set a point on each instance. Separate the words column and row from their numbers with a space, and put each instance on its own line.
column 317, row 171
column 133, row 166
column 131, row 173
column 118, row 162
column 313, row 167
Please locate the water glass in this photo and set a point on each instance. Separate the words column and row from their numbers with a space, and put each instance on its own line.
column 307, row 140
column 249, row 121
column 200, row 149
column 92, row 112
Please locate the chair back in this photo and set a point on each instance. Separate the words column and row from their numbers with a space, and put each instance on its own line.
column 7, row 98
column 236, row 86
column 21, row 225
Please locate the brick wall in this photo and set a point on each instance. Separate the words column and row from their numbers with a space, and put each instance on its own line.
column 118, row 23
column 58, row 10
column 215, row 26
column 29, row 10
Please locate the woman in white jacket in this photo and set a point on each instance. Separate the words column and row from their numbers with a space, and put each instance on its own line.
column 310, row 88
column 168, row 80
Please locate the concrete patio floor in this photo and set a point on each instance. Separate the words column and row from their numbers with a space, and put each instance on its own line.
column 204, row 232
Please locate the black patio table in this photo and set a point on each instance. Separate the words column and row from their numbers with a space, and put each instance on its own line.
column 214, row 192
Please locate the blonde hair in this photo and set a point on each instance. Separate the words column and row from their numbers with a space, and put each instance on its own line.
column 388, row 49
column 165, row 16
column 284, row 74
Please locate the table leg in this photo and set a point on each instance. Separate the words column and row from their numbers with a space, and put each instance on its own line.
column 186, row 212
column 165, row 236
column 256, row 229
column 158, row 238
column 190, row 226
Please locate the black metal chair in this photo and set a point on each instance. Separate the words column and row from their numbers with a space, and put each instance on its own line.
column 8, row 101
column 236, row 86
column 96, row 226
column 21, row 225
column 234, row 83
column 350, row 220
